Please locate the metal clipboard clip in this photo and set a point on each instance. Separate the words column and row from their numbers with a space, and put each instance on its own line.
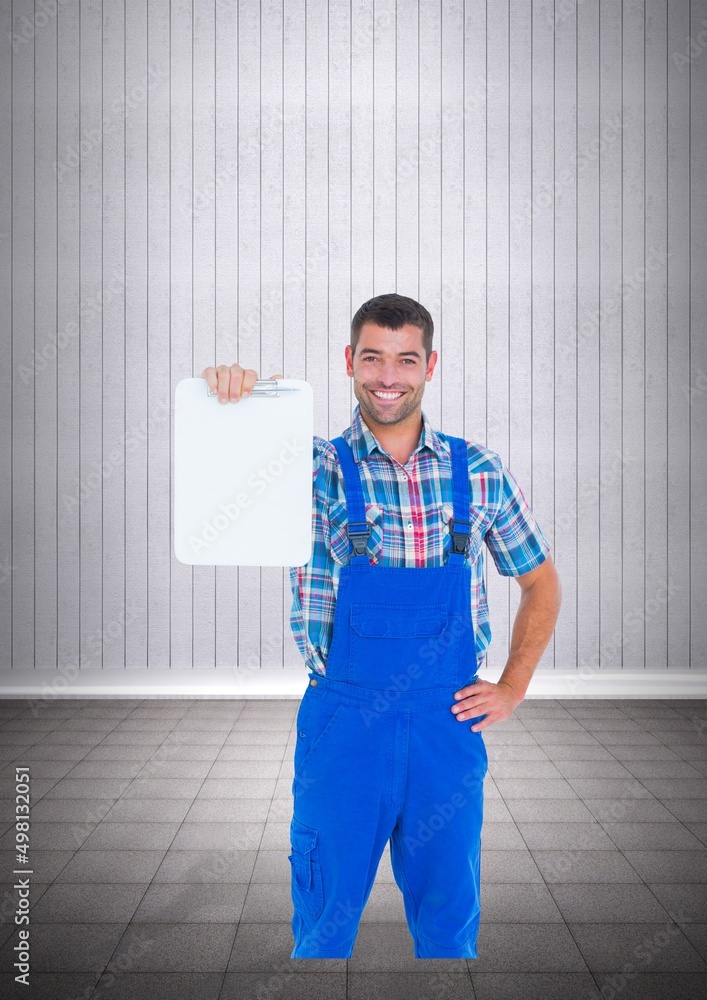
column 263, row 387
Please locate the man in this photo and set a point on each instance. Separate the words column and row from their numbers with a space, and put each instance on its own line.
column 391, row 618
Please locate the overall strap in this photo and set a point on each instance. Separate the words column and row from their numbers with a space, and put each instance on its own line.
column 358, row 528
column 459, row 524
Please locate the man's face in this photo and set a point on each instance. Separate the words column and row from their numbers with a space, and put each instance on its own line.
column 389, row 363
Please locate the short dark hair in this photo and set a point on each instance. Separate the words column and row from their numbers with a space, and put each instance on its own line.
column 393, row 311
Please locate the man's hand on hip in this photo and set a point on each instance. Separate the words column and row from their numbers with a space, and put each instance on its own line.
column 496, row 701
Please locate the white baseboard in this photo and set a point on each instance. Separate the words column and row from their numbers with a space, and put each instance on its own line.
column 290, row 682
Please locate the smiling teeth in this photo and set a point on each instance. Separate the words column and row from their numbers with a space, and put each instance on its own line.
column 387, row 395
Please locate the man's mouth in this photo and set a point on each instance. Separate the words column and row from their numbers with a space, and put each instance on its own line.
column 386, row 396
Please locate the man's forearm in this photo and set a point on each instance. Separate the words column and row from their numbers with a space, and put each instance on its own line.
column 534, row 624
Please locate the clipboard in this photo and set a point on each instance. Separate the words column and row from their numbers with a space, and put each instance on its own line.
column 243, row 475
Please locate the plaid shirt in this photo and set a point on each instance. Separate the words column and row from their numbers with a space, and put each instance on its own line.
column 409, row 508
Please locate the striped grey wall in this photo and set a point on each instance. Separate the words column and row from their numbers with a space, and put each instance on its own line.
column 190, row 182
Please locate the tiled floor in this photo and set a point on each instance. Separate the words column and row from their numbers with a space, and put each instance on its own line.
column 160, row 834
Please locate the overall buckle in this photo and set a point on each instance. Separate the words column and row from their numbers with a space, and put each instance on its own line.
column 460, row 539
column 358, row 532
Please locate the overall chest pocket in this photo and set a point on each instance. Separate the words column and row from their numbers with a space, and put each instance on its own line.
column 420, row 640
column 398, row 621
column 338, row 519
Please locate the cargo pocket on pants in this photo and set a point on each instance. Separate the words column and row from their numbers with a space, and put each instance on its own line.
column 307, row 889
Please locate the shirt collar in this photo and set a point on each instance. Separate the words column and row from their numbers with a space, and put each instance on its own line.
column 363, row 441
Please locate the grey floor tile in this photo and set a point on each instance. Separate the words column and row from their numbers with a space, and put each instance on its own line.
column 89, row 903
column 653, row 836
column 523, row 947
column 88, row 788
column 549, row 811
column 699, row 830
column 49, row 985
column 250, row 769
column 206, row 866
column 154, row 768
column 534, row 769
column 237, row 788
column 266, row 948
column 143, row 811
column 105, row 769
column 658, row 947
column 501, row 837
column 163, row 788
column 186, row 751
column 636, row 985
column 591, row 903
column 247, row 751
column 117, row 751
column 506, row 752
column 293, row 986
column 612, row 739
column 71, row 947
column 669, row 788
column 575, row 737
column 131, row 836
column 388, row 947
column 43, row 751
column 696, row 934
column 629, row 811
column 385, row 904
column 192, row 902
column 154, row 947
column 577, row 751
column 608, row 788
column 669, row 866
column 496, row 810
column 403, row 985
column 218, row 836
column 229, row 811
column 639, row 751
column 684, row 902
column 254, row 737
column 534, row 986
column 528, row 788
column 584, row 866
column 687, row 810
column 509, row 866
column 272, row 866
column 592, row 769
column 511, row 903
column 565, row 836
column 267, row 902
column 678, row 769
column 111, row 866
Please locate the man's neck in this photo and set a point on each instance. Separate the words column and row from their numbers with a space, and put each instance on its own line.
column 399, row 440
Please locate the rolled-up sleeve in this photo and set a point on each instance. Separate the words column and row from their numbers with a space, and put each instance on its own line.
column 515, row 539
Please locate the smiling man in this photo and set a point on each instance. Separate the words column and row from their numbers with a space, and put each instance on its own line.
column 390, row 615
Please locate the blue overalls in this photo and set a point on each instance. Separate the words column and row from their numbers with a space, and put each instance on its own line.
column 380, row 755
